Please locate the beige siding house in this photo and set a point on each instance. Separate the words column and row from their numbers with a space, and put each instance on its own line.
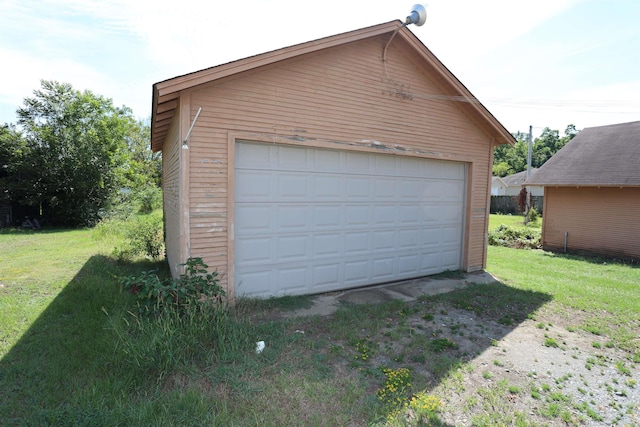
column 346, row 161
column 592, row 193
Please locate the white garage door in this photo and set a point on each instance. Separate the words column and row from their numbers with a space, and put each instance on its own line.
column 311, row 220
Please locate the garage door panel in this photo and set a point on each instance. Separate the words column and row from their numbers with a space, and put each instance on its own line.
column 407, row 239
column 325, row 275
column 254, row 250
column 357, row 216
column 383, row 215
column 293, row 248
column 357, row 243
column 358, row 163
column 326, row 216
column 326, row 245
column 385, row 189
column 254, row 219
column 327, row 187
column 356, row 272
column 291, row 217
column 293, row 187
column 358, row 188
column 254, row 185
column 313, row 220
column 383, row 240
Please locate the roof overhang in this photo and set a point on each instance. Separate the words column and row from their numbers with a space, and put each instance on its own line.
column 166, row 93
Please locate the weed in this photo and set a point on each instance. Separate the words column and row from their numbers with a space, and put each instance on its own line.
column 622, row 368
column 394, row 391
column 196, row 286
column 551, row 342
column 428, row 317
column 591, row 413
column 487, row 375
column 441, row 344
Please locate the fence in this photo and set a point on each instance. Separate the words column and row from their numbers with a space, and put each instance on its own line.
column 509, row 204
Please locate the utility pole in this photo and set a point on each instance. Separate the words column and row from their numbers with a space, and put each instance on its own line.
column 529, row 155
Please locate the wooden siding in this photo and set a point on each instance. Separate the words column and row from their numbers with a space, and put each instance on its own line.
column 171, row 196
column 598, row 220
column 344, row 98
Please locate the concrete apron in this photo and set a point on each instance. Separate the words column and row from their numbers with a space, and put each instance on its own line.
column 408, row 290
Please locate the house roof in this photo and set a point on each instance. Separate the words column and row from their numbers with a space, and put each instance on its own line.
column 517, row 179
column 604, row 156
column 167, row 93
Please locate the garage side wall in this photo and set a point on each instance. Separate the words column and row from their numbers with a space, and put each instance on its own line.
column 171, row 196
column 343, row 98
column 597, row 220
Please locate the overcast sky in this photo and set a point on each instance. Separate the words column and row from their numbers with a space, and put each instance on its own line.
column 540, row 63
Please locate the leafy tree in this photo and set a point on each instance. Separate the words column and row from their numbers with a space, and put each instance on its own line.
column 508, row 160
column 74, row 152
column 12, row 150
column 142, row 174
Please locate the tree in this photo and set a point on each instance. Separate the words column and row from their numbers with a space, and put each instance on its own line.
column 74, row 152
column 12, row 150
column 508, row 160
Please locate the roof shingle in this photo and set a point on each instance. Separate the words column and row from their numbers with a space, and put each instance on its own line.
column 598, row 156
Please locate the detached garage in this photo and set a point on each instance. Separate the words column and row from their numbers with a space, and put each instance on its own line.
column 347, row 161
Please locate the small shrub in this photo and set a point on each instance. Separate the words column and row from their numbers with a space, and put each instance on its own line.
column 149, row 199
column 144, row 237
column 195, row 285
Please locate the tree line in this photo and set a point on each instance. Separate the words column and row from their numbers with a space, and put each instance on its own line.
column 77, row 157
column 510, row 159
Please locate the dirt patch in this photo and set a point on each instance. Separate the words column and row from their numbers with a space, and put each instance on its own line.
column 545, row 369
column 519, row 360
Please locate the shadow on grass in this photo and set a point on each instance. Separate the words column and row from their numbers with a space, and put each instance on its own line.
column 26, row 231
column 593, row 258
column 63, row 371
column 55, row 362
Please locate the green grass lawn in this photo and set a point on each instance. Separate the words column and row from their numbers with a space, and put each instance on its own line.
column 75, row 351
column 517, row 221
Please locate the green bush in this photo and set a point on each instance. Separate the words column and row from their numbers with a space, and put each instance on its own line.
column 149, row 199
column 143, row 237
column 179, row 322
column 512, row 237
column 194, row 286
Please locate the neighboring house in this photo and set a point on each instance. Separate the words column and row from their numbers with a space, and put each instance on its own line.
column 498, row 186
column 592, row 193
column 346, row 161
column 512, row 185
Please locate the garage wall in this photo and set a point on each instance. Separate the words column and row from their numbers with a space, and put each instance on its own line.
column 599, row 220
column 344, row 98
column 171, row 196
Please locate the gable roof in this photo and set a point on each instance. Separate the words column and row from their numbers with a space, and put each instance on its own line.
column 166, row 93
column 604, row 156
column 517, row 179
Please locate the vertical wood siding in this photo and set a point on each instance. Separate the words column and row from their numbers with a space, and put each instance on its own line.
column 171, row 195
column 599, row 220
column 344, row 96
